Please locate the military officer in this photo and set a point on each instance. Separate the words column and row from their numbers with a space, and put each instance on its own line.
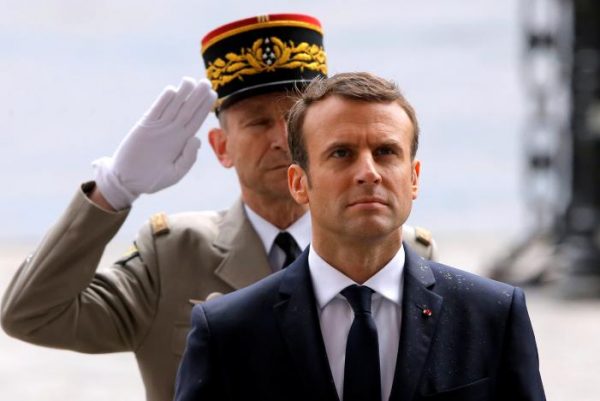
column 142, row 302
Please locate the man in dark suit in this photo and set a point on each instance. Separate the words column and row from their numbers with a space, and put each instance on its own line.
column 359, row 316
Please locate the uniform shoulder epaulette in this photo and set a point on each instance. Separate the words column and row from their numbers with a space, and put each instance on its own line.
column 423, row 236
column 132, row 252
column 159, row 224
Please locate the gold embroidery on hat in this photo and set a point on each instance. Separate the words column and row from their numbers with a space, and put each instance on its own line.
column 266, row 55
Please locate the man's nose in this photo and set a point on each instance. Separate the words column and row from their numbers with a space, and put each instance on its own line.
column 279, row 134
column 367, row 172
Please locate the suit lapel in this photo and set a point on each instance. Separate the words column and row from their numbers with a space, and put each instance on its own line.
column 244, row 258
column 298, row 320
column 420, row 314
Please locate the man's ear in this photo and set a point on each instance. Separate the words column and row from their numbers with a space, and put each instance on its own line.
column 416, row 172
column 298, row 184
column 218, row 142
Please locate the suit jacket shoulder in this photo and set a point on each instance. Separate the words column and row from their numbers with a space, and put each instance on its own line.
column 251, row 301
column 453, row 281
column 274, row 325
column 464, row 337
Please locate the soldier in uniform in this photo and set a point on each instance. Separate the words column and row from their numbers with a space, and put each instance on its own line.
column 142, row 302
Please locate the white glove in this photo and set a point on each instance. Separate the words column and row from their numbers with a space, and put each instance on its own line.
column 160, row 149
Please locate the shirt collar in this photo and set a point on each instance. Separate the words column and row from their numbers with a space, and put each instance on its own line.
column 267, row 232
column 328, row 281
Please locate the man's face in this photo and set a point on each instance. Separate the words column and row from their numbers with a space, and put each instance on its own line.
column 253, row 140
column 361, row 180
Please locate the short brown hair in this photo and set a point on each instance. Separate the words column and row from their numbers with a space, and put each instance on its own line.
column 361, row 86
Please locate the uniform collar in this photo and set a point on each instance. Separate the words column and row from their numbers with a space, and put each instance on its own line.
column 267, row 232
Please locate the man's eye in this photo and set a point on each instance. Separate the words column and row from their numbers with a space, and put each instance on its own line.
column 384, row 151
column 259, row 122
column 340, row 153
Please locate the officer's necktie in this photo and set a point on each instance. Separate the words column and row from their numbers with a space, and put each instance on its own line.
column 361, row 372
column 288, row 245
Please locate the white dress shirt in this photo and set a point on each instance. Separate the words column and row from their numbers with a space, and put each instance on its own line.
column 336, row 315
column 267, row 232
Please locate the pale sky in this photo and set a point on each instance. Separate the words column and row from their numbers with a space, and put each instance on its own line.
column 76, row 75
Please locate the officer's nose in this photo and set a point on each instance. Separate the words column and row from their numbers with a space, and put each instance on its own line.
column 279, row 137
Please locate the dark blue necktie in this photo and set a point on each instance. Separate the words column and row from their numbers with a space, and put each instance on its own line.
column 362, row 380
column 288, row 245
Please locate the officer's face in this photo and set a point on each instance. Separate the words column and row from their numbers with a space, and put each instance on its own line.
column 361, row 179
column 253, row 140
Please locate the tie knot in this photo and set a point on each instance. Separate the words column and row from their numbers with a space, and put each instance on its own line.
column 359, row 297
column 288, row 245
column 285, row 241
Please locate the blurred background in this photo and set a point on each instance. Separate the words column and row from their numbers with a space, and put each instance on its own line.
column 507, row 97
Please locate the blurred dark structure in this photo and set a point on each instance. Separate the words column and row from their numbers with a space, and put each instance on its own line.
column 562, row 143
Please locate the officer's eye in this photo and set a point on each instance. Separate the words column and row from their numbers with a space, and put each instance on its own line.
column 259, row 122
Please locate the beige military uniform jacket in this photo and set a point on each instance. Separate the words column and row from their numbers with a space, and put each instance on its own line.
column 141, row 303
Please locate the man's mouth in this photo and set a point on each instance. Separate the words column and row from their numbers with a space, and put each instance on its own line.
column 279, row 166
column 368, row 200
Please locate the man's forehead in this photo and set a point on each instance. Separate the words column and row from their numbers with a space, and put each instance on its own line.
column 334, row 122
column 351, row 139
column 347, row 114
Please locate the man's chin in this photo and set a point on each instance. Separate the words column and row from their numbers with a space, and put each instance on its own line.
column 279, row 190
column 374, row 227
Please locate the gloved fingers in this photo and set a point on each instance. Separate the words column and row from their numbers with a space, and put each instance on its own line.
column 199, row 115
column 199, row 101
column 187, row 158
column 160, row 104
column 186, row 87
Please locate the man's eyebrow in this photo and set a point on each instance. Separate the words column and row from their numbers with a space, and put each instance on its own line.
column 392, row 142
column 251, row 113
column 336, row 145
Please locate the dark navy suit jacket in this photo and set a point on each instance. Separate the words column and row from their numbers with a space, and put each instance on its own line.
column 264, row 342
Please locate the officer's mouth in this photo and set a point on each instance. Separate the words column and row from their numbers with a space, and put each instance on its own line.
column 279, row 167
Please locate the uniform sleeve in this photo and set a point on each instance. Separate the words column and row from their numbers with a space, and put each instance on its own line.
column 196, row 376
column 519, row 376
column 58, row 299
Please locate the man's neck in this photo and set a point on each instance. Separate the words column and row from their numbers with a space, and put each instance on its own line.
column 358, row 258
column 282, row 212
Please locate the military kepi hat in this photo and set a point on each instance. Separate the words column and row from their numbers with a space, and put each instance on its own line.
column 263, row 54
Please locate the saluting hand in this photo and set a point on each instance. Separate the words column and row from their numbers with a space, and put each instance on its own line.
column 160, row 149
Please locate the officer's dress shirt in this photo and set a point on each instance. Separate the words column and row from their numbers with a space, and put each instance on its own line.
column 267, row 232
column 336, row 315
